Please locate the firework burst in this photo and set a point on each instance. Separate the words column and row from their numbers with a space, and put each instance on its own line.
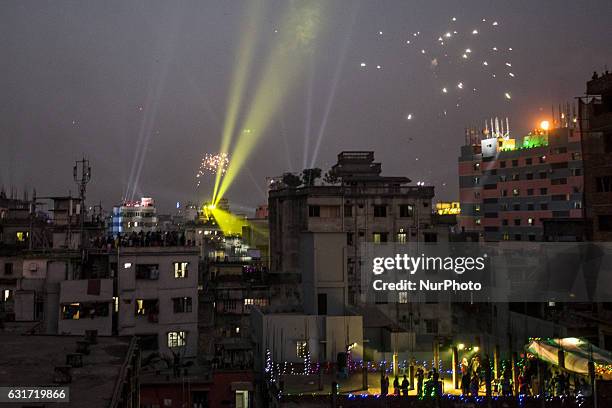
column 211, row 164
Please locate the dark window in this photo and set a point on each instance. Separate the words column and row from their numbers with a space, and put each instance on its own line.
column 504, row 222
column 8, row 268
column 607, row 139
column 380, row 210
column 559, row 197
column 516, row 207
column 348, row 210
column 517, row 222
column 504, row 193
column 147, row 271
column 605, row 222
column 560, row 214
column 576, row 172
column 322, row 303
column 530, row 191
column 314, row 211
column 517, row 237
column 558, row 166
column 532, row 237
column 490, row 215
column 406, row 210
column 530, row 207
column 529, row 161
column 556, row 182
column 544, row 206
column 529, row 176
column 431, row 326
column 543, row 191
column 604, row 184
column 430, row 237
column 502, row 164
column 349, row 238
column 182, row 304
column 148, row 342
column 543, row 175
column 490, row 186
column 514, row 163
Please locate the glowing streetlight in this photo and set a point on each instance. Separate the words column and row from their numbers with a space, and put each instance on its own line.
column 460, row 346
column 545, row 125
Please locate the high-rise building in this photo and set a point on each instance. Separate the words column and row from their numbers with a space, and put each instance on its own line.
column 596, row 125
column 509, row 187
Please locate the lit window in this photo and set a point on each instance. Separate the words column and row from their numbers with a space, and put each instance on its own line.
column 530, row 221
column 22, row 236
column 402, row 236
column 301, row 349
column 180, row 270
column 177, row 338
column 403, row 297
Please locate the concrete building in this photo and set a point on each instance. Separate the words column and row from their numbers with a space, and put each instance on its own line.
column 509, row 187
column 134, row 216
column 157, row 297
column 362, row 205
column 596, row 125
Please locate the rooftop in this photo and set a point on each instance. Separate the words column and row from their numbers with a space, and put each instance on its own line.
column 25, row 362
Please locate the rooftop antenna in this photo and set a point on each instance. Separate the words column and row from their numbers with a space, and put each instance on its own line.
column 82, row 174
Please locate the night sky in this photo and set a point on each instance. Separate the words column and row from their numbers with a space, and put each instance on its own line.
column 143, row 85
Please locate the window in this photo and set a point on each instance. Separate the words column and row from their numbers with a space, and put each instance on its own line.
column 530, row 191
column 147, row 307
column 517, row 222
column 542, row 159
column 543, row 175
column 502, row 178
column 177, row 339
column 603, row 184
column 406, row 210
column 530, row 207
column 21, row 236
column 147, row 271
column 301, row 349
column 431, row 326
column 516, row 176
column 8, row 268
column 380, row 211
column 348, row 210
column 576, row 156
column 502, row 164
column 543, row 191
column 532, row 237
column 403, row 297
column 180, row 270
column 256, row 302
column 530, row 221
column 504, row 193
column 476, row 180
column 402, row 237
column 516, row 192
column 476, row 166
column 517, row 237
column 322, row 303
column 182, row 304
column 478, row 221
column 605, row 222
column 556, row 182
column 559, row 197
column 576, row 172
column 506, row 236
column 349, row 238
column 314, row 211
column 528, row 161
column 514, row 163
column 379, row 237
column 477, row 207
column 76, row 311
column 516, row 207
column 544, row 206
column 529, row 176
column 504, row 222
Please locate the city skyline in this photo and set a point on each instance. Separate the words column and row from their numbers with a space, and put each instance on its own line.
column 129, row 84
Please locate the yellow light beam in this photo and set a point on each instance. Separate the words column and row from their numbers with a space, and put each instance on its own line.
column 229, row 223
column 280, row 74
column 243, row 63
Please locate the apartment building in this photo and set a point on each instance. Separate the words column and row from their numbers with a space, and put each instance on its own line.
column 508, row 188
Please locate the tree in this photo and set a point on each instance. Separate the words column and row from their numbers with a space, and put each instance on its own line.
column 291, row 180
column 331, row 178
column 310, row 175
